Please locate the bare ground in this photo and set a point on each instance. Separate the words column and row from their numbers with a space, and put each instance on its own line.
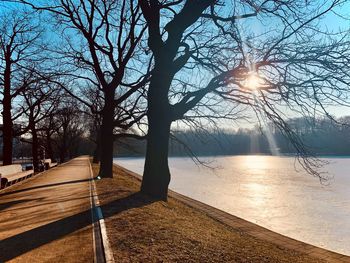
column 141, row 229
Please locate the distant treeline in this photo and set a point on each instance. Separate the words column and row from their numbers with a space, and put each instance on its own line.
column 76, row 145
column 321, row 136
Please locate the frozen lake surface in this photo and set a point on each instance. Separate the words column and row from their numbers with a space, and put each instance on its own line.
column 268, row 191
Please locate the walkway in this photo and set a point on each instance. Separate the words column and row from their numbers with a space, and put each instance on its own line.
column 48, row 218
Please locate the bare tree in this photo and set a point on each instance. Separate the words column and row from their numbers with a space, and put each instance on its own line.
column 64, row 130
column 103, row 41
column 70, row 128
column 61, row 127
column 48, row 128
column 206, row 62
column 94, row 120
column 20, row 47
column 40, row 100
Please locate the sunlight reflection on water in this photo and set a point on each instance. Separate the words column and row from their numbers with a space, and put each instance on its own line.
column 268, row 191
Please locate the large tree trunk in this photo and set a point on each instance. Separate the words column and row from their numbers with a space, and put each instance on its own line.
column 107, row 140
column 7, row 132
column 156, row 174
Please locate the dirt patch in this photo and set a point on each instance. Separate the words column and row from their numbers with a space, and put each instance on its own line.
column 141, row 229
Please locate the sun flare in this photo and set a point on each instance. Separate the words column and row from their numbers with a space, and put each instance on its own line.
column 253, row 81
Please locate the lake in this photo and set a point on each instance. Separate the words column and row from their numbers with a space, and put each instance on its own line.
column 268, row 191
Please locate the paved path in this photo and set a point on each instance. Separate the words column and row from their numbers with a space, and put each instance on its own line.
column 48, row 217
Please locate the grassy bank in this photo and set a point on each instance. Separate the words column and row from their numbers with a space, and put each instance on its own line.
column 143, row 230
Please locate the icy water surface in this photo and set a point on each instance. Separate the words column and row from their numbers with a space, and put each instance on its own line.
column 268, row 191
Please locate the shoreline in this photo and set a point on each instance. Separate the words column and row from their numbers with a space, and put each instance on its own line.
column 282, row 155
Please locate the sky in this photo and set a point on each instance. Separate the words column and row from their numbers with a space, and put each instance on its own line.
column 336, row 21
column 331, row 21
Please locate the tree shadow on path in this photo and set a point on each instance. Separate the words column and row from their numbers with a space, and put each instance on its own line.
column 44, row 186
column 16, row 202
column 19, row 244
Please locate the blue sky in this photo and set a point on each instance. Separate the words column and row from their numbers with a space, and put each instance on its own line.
column 332, row 22
column 336, row 21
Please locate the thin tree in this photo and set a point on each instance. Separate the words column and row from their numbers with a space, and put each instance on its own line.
column 48, row 128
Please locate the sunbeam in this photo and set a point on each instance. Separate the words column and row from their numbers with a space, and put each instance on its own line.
column 254, row 82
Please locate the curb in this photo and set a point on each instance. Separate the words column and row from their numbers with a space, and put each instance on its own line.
column 102, row 249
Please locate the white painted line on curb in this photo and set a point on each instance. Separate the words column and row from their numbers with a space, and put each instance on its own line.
column 93, row 240
column 105, row 241
column 93, row 218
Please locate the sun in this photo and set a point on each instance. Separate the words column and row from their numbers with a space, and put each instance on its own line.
column 253, row 81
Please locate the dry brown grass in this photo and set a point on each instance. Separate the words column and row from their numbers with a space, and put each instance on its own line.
column 143, row 230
